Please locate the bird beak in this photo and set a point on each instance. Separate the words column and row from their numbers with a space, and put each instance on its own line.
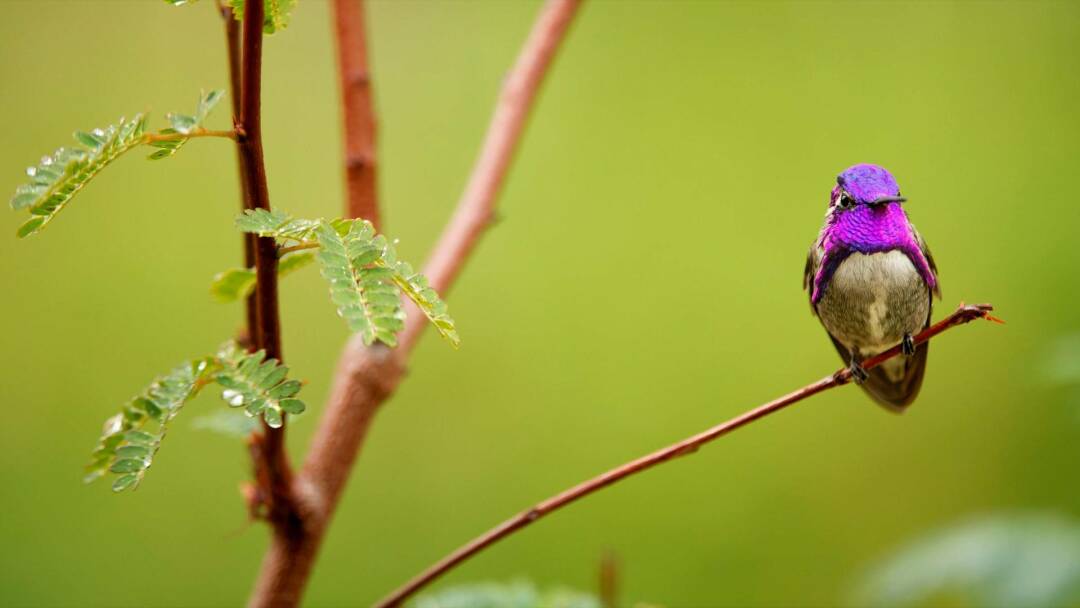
column 881, row 200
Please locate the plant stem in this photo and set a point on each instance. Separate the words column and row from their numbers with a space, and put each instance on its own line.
column 194, row 133
column 358, row 112
column 476, row 208
column 961, row 315
column 367, row 376
column 232, row 46
column 273, row 473
column 291, row 248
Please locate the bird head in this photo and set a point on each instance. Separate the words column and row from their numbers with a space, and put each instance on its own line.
column 865, row 184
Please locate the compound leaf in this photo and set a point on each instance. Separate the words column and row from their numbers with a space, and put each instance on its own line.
column 58, row 177
column 257, row 384
column 130, row 439
column 363, row 292
column 415, row 287
column 184, row 124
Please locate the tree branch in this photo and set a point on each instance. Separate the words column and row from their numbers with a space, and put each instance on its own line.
column 475, row 210
column 272, row 470
column 962, row 315
column 358, row 112
column 232, row 46
column 367, row 376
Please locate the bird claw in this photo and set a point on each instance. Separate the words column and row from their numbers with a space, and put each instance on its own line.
column 858, row 374
column 907, row 346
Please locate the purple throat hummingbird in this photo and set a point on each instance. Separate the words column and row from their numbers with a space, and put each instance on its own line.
column 871, row 280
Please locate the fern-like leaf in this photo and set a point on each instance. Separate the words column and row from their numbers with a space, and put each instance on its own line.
column 362, row 290
column 257, row 385
column 282, row 226
column 415, row 287
column 130, row 439
column 238, row 283
column 276, row 16
column 60, row 176
column 185, row 124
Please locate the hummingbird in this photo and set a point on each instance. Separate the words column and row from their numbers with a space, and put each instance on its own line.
column 872, row 280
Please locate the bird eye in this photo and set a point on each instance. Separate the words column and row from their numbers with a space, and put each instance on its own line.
column 845, row 201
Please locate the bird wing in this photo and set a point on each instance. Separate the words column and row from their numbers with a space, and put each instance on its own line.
column 813, row 260
column 929, row 260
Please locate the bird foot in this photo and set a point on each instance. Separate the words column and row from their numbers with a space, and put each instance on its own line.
column 858, row 374
column 907, row 346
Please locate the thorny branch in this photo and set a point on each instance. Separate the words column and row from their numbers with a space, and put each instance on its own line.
column 963, row 314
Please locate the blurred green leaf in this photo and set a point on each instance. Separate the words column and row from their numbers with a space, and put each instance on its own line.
column 1018, row 561
column 277, row 15
column 231, row 422
column 518, row 594
column 239, row 283
column 125, row 447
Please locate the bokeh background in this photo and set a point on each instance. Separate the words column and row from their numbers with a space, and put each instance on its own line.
column 643, row 284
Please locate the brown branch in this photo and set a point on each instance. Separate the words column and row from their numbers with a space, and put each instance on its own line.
column 962, row 315
column 475, row 210
column 273, row 472
column 232, row 46
column 358, row 112
column 367, row 376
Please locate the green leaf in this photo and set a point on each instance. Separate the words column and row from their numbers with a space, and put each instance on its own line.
column 63, row 174
column 124, row 482
column 230, row 422
column 365, row 295
column 257, row 385
column 362, row 268
column 184, row 124
column 276, row 17
column 415, row 286
column 60, row 176
column 238, row 283
column 519, row 594
column 277, row 224
column 1030, row 559
column 126, row 446
column 233, row 284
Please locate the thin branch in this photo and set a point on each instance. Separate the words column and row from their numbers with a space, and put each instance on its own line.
column 194, row 133
column 476, row 209
column 232, row 46
column 358, row 112
column 367, row 376
column 291, row 248
column 962, row 315
column 272, row 466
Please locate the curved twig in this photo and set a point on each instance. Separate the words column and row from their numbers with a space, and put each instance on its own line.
column 962, row 315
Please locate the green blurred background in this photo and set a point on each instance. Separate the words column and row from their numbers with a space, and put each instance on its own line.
column 642, row 285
